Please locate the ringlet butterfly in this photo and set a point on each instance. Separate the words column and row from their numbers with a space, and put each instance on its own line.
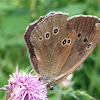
column 58, row 45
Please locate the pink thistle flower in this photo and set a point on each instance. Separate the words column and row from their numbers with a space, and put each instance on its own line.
column 23, row 86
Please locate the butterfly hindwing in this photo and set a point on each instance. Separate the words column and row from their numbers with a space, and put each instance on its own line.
column 87, row 37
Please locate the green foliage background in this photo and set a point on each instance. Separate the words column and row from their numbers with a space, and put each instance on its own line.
column 15, row 15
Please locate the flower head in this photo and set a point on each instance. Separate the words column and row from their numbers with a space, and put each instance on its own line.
column 25, row 87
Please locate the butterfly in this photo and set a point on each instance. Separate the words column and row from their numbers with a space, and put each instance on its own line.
column 58, row 44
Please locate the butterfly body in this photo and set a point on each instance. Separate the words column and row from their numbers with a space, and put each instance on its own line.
column 58, row 45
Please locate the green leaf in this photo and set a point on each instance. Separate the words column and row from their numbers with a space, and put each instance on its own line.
column 78, row 94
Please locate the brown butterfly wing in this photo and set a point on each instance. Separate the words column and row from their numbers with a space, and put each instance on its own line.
column 27, row 36
column 30, row 46
column 50, row 52
column 88, row 36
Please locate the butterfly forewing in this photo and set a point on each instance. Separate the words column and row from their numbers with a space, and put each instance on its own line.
column 53, row 50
